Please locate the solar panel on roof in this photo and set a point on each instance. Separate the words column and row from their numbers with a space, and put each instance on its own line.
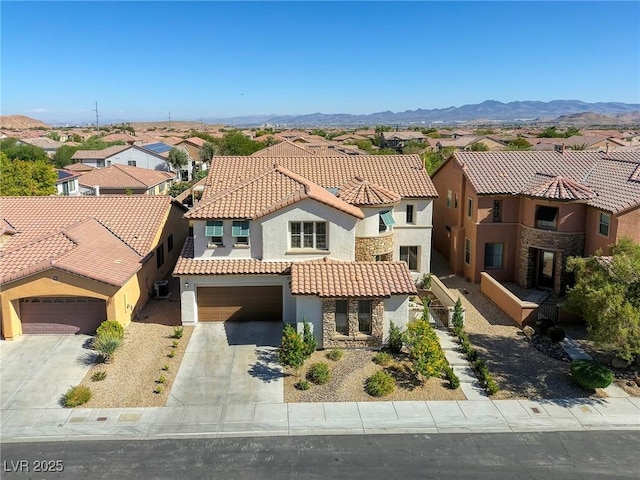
column 157, row 147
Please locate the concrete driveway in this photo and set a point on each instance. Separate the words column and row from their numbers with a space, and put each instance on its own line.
column 38, row 369
column 230, row 363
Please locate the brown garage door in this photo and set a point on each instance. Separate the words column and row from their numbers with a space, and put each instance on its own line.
column 61, row 315
column 217, row 304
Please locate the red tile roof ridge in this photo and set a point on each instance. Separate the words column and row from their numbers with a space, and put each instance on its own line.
column 359, row 191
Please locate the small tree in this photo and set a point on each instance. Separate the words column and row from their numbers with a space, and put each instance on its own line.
column 458, row 320
column 424, row 349
column 292, row 351
column 395, row 338
column 479, row 147
column 309, row 339
column 207, row 152
column 178, row 158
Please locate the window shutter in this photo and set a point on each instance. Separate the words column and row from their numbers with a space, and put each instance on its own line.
column 240, row 229
column 387, row 218
column 213, row 228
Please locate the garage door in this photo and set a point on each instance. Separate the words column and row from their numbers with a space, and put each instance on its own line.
column 60, row 315
column 217, row 304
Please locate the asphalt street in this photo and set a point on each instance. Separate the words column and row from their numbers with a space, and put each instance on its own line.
column 550, row 455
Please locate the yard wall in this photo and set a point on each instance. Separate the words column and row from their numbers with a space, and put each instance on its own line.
column 520, row 311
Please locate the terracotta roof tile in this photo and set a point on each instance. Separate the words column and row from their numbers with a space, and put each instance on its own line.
column 79, row 167
column 187, row 265
column 403, row 174
column 284, row 149
column 610, row 176
column 266, row 193
column 361, row 192
column 124, row 176
column 99, row 154
column 557, row 188
column 330, row 278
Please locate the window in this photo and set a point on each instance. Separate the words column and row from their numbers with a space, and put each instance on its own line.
column 604, row 223
column 309, row 235
column 170, row 242
column 214, row 231
column 364, row 316
column 467, row 251
column 493, row 255
column 386, row 221
column 546, row 217
column 497, row 211
column 469, row 207
column 341, row 317
column 410, row 255
column 448, row 198
column 455, row 200
column 100, row 163
column 65, row 188
column 409, row 218
column 378, row 258
column 240, row 232
column 131, row 163
column 160, row 255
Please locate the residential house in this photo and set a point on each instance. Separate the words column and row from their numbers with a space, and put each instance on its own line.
column 398, row 140
column 338, row 241
column 577, row 142
column 163, row 149
column 519, row 215
column 69, row 263
column 67, row 182
column 132, row 155
column 49, row 145
column 121, row 179
column 466, row 143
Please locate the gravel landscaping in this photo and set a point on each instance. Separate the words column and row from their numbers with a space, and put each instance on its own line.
column 348, row 377
column 132, row 376
column 520, row 370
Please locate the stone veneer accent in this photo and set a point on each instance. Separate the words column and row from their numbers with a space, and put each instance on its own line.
column 355, row 339
column 368, row 247
column 564, row 244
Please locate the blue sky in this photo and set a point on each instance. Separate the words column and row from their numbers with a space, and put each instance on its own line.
column 141, row 60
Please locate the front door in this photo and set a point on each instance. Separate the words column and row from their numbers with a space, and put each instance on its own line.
column 546, row 269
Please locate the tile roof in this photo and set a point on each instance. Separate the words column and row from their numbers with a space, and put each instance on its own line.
column 557, row 188
column 124, row 176
column 284, row 149
column 610, row 176
column 134, row 219
column 331, row 278
column 403, row 174
column 42, row 142
column 187, row 265
column 79, row 167
column 197, row 141
column 264, row 193
column 360, row 192
column 99, row 154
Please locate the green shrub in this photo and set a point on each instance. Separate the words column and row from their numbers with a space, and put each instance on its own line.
column 335, row 354
column 165, row 367
column 457, row 321
column 555, row 334
column 380, row 384
column 110, row 328
column 454, row 381
column 319, row 373
column 178, row 332
column 309, row 339
column 106, row 345
column 292, row 351
column 492, row 386
column 159, row 389
column 424, row 348
column 395, row 338
column 174, row 344
column 77, row 395
column 590, row 374
column 424, row 283
column 171, row 354
column 98, row 376
column 382, row 358
column 161, row 379
column 302, row 385
column 543, row 325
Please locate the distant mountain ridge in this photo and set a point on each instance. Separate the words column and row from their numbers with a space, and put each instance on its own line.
column 490, row 110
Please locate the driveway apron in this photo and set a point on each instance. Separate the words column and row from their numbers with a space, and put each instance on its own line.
column 230, row 363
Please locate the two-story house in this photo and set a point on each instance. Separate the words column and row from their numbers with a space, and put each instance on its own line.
column 122, row 179
column 519, row 215
column 333, row 240
column 131, row 155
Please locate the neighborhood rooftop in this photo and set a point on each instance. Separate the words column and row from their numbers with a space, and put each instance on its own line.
column 125, row 176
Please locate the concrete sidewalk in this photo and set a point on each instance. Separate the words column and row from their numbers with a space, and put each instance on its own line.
column 320, row 418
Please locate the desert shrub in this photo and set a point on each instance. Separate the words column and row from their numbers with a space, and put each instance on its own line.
column 555, row 334
column 165, row 367
column 457, row 321
column 395, row 338
column 382, row 358
column 543, row 325
column 424, row 348
column 454, row 381
column 590, row 374
column 159, row 389
column 161, row 379
column 319, row 373
column 424, row 283
column 106, row 346
column 380, row 384
column 292, row 351
column 77, row 395
column 174, row 344
column 178, row 332
column 171, row 354
column 309, row 339
column 335, row 354
column 110, row 328
column 302, row 385
column 98, row 376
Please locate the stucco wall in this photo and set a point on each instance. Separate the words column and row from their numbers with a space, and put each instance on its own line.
column 448, row 177
column 309, row 308
column 418, row 234
column 142, row 159
column 521, row 312
column 202, row 250
column 396, row 310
